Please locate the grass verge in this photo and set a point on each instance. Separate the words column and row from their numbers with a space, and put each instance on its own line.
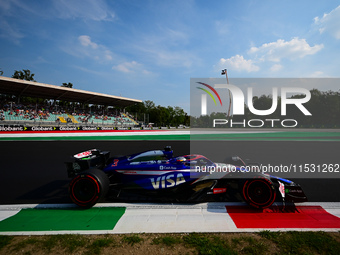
column 265, row 242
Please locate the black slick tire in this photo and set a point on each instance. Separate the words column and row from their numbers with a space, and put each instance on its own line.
column 259, row 192
column 88, row 188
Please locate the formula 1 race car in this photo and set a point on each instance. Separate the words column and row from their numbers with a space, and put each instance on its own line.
column 158, row 176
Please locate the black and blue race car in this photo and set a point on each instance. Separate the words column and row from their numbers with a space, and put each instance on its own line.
column 158, row 176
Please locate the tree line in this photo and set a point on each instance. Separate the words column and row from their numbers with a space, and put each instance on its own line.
column 159, row 115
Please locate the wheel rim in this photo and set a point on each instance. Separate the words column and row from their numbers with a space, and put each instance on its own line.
column 85, row 190
column 259, row 193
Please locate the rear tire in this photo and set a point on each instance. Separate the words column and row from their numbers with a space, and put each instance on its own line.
column 259, row 192
column 89, row 187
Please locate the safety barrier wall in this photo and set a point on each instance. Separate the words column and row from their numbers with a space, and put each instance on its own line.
column 37, row 128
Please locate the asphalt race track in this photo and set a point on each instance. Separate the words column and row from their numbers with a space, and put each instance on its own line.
column 34, row 172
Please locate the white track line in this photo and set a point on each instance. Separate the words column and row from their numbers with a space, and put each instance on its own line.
column 113, row 133
column 129, row 133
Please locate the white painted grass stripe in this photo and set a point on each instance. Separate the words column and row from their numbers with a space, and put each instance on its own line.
column 175, row 220
column 6, row 214
column 220, row 132
column 115, row 133
column 210, row 205
column 127, row 133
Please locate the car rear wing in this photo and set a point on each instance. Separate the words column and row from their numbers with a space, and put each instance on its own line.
column 86, row 160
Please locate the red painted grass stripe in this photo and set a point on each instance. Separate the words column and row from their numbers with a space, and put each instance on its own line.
column 82, row 131
column 302, row 217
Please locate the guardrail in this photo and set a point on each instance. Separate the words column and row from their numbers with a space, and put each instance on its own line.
column 27, row 127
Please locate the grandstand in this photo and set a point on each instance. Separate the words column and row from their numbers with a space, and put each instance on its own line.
column 51, row 114
column 9, row 117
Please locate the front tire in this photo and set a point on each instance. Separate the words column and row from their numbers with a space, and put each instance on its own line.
column 88, row 188
column 259, row 192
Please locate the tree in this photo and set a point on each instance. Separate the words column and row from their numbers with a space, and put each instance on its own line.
column 67, row 85
column 179, row 116
column 1, row 72
column 149, row 105
column 137, row 107
column 159, row 115
column 25, row 74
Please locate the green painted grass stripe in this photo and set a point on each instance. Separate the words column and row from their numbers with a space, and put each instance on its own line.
column 270, row 136
column 63, row 219
column 332, row 136
column 201, row 138
column 263, row 139
column 98, row 138
column 280, row 134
